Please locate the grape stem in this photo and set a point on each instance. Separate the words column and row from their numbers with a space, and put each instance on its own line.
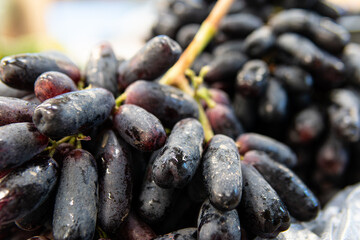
column 175, row 75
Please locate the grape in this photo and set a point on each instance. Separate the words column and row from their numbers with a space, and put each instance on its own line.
column 51, row 84
column 14, row 110
column 76, row 199
column 323, row 31
column 115, row 181
column 154, row 201
column 259, row 42
column 187, row 11
column 6, row 91
column 222, row 172
column 167, row 103
column 215, row 224
column 149, row 62
column 26, row 187
column 253, row 78
column 245, row 110
column 351, row 58
column 19, row 142
column 273, row 105
column 21, row 71
column 134, row 228
column 223, row 121
column 101, row 68
column 261, row 211
column 181, row 234
column 299, row 200
column 224, row 67
column 229, row 47
column 275, row 149
column 328, row 70
column 139, row 128
column 219, row 96
column 176, row 163
column 294, row 78
column 240, row 24
column 73, row 112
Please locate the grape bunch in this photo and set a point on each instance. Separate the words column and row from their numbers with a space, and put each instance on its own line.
column 254, row 133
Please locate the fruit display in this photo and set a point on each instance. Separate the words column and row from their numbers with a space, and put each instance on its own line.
column 237, row 119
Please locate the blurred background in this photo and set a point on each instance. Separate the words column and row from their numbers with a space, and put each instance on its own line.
column 75, row 26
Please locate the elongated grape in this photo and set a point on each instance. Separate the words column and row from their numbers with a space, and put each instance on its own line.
column 253, row 78
column 150, row 62
column 76, row 199
column 19, row 142
column 14, row 110
column 344, row 114
column 328, row 70
column 115, row 181
column 259, row 42
column 351, row 58
column 261, row 211
column 73, row 112
column 51, row 84
column 181, row 234
column 101, row 68
column 6, row 91
column 21, row 71
column 240, row 24
column 26, row 187
column 294, row 78
column 222, row 172
column 224, row 67
column 215, row 224
column 299, row 200
column 178, row 160
column 167, row 103
column 134, row 228
column 276, row 150
column 139, row 128
column 228, row 47
column 223, row 121
column 154, row 201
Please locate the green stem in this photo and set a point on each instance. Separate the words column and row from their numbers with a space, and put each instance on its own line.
column 120, row 99
column 205, row 123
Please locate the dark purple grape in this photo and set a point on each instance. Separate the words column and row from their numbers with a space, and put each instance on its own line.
column 154, row 202
column 139, row 128
column 273, row 105
column 14, row 110
column 223, row 121
column 150, row 62
column 101, row 68
column 26, row 187
column 166, row 24
column 259, row 42
column 62, row 151
column 76, row 199
column 332, row 157
column 307, row 126
column 252, row 79
column 6, row 91
column 73, row 112
column 229, row 47
column 329, row 9
column 245, row 110
column 275, row 149
column 328, row 70
column 39, row 216
column 295, row 79
column 189, row 11
column 115, row 181
column 351, row 58
column 19, row 142
column 222, row 172
column 323, row 31
column 51, row 84
column 134, row 229
column 261, row 211
column 224, row 67
column 21, row 71
column 181, row 234
column 240, row 24
column 220, row 96
column 167, row 103
column 299, row 200
column 215, row 224
column 176, row 163
column 186, row 34
column 344, row 114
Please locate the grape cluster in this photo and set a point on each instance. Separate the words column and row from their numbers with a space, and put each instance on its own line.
column 114, row 153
